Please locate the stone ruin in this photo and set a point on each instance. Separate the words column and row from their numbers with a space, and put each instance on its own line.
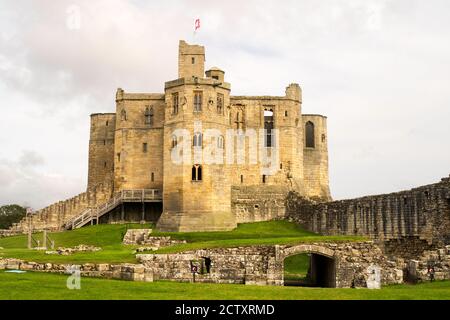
column 80, row 248
column 142, row 237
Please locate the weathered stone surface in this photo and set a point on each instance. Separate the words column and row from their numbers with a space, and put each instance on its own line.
column 264, row 265
column 136, row 236
column 419, row 217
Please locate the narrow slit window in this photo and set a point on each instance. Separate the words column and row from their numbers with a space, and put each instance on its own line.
column 144, row 147
column 220, row 103
column 176, row 102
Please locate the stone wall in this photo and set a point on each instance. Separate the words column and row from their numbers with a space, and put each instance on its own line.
column 422, row 212
column 8, row 233
column 439, row 259
column 126, row 271
column 54, row 216
column 256, row 203
column 264, row 265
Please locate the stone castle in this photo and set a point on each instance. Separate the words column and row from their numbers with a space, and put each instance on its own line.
column 133, row 177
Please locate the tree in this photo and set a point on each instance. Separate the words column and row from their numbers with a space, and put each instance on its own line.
column 10, row 214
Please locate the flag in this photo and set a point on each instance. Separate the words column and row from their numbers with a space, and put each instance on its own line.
column 197, row 25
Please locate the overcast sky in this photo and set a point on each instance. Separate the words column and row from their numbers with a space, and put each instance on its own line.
column 380, row 71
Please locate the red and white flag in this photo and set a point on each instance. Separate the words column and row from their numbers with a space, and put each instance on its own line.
column 197, row 25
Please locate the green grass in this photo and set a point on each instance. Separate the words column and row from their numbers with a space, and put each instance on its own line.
column 109, row 238
column 41, row 286
column 296, row 267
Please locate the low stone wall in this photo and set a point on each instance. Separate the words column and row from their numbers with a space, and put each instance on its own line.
column 132, row 272
column 264, row 265
column 417, row 270
column 8, row 233
column 68, row 251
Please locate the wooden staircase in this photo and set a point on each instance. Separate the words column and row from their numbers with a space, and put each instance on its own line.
column 92, row 215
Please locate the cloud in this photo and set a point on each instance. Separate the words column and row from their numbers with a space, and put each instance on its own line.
column 378, row 69
column 22, row 183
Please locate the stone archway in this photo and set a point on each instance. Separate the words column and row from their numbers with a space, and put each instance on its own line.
column 322, row 271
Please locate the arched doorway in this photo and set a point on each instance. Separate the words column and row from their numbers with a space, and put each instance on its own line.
column 309, row 265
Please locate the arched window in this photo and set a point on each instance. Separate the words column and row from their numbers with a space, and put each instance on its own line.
column 198, row 137
column 196, row 172
column 220, row 142
column 174, row 141
column 123, row 115
column 309, row 135
column 149, row 115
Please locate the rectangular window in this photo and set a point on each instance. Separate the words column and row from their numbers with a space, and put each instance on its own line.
column 264, row 178
column 242, row 179
column 118, row 157
column 193, row 60
column 144, row 147
column 268, row 127
column 175, row 101
column 220, row 103
column 198, row 97
column 153, row 177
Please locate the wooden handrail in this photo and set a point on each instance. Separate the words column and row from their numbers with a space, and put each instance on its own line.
column 89, row 214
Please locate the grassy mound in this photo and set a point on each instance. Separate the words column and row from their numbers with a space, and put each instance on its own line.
column 109, row 238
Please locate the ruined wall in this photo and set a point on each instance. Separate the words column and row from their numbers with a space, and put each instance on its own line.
column 55, row 215
column 422, row 212
column 416, row 270
column 264, row 265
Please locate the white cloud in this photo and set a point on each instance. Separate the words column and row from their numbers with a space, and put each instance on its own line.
column 378, row 69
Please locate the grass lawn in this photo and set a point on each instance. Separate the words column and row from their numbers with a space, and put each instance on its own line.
column 109, row 238
column 296, row 267
column 37, row 286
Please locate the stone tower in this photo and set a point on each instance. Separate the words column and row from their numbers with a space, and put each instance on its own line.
column 101, row 149
column 196, row 193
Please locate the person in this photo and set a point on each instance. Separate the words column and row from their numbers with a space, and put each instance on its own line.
column 431, row 273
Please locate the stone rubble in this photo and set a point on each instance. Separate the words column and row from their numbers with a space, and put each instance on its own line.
column 68, row 251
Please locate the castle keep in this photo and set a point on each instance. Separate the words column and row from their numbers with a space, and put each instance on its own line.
column 133, row 176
